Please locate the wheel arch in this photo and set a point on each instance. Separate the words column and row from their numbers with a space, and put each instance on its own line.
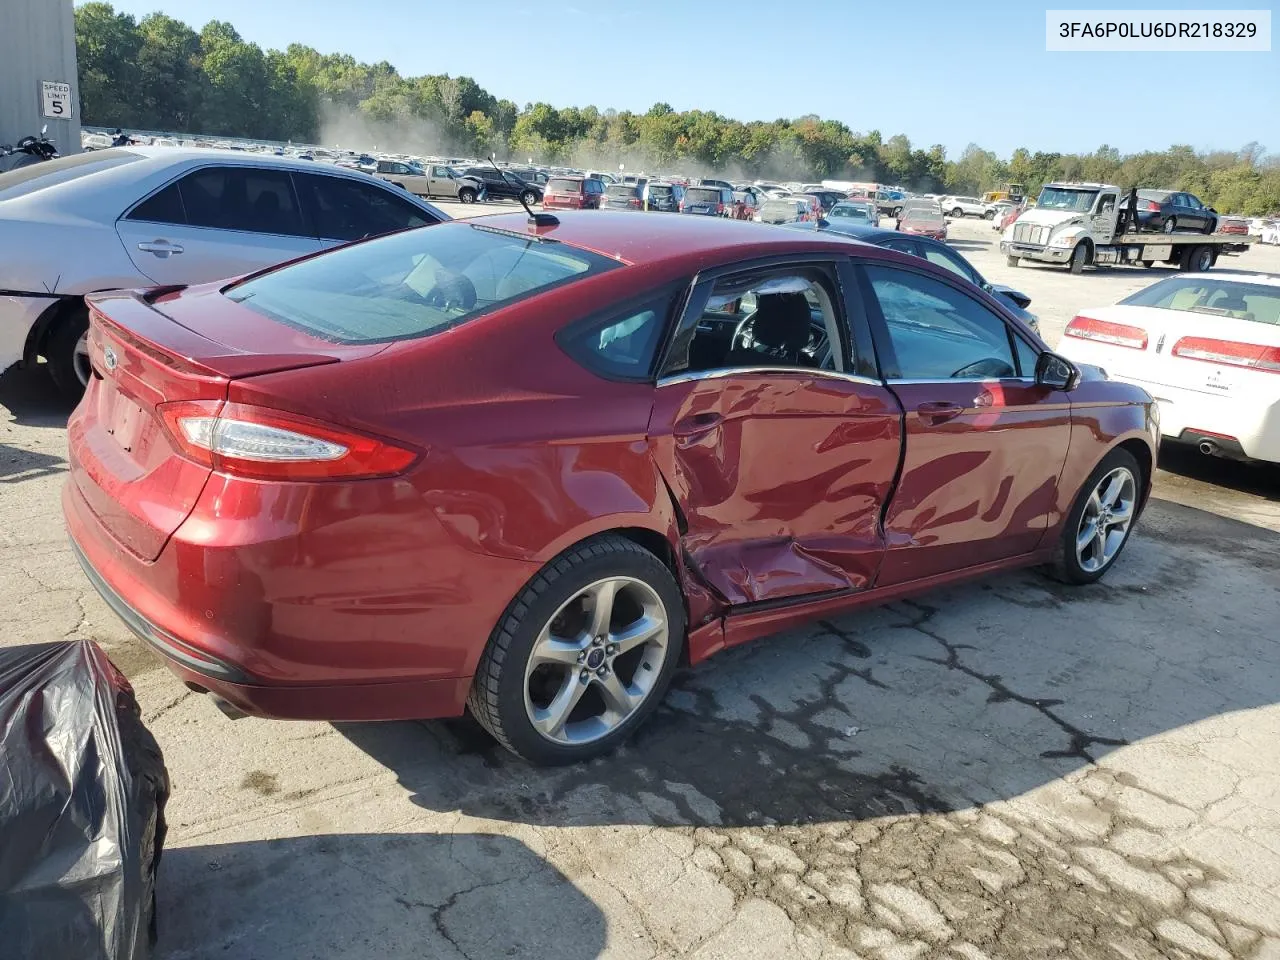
column 1141, row 451
column 46, row 323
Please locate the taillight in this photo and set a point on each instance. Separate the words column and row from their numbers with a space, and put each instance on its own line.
column 251, row 441
column 1229, row 353
column 1118, row 334
column 1150, row 206
column 633, row 202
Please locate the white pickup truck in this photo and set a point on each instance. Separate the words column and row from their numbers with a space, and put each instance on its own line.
column 1076, row 224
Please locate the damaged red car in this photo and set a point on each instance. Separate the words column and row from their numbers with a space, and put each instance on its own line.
column 529, row 469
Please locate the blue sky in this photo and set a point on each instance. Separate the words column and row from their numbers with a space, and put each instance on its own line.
column 940, row 72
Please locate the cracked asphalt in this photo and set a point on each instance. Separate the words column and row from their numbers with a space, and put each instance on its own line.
column 1006, row 769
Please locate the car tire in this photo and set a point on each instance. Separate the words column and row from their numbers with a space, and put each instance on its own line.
column 1080, row 257
column 467, row 195
column 1011, row 261
column 1148, row 264
column 1170, row 225
column 529, row 197
column 957, row 213
column 511, row 687
column 897, row 212
column 66, row 352
column 1075, row 564
column 989, row 215
column 1197, row 259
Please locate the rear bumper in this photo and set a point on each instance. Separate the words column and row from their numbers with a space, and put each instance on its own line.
column 280, row 624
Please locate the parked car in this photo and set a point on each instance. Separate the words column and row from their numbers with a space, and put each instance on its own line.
column 1171, row 211
column 891, row 202
column 789, row 209
column 708, row 201
column 1236, row 225
column 623, row 196
column 663, row 483
column 960, row 207
column 500, row 187
column 1270, row 232
column 141, row 216
column 1208, row 346
column 663, row 196
column 924, row 221
column 826, row 198
column 404, row 174
column 708, row 182
column 935, row 251
column 573, row 193
column 862, row 212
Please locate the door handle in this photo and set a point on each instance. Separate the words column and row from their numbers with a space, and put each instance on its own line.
column 161, row 248
column 696, row 424
column 939, row 411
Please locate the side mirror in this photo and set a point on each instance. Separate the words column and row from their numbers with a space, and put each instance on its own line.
column 1018, row 297
column 1056, row 373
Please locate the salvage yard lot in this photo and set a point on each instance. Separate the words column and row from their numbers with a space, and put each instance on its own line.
column 1006, row 769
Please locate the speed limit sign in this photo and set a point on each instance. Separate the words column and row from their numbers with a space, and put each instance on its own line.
column 57, row 99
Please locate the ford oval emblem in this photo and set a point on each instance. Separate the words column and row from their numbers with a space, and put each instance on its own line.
column 109, row 358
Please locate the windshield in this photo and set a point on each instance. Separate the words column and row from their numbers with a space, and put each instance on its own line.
column 659, row 190
column 1256, row 302
column 1063, row 198
column 412, row 284
column 702, row 195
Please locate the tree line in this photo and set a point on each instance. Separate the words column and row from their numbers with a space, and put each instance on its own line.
column 158, row 73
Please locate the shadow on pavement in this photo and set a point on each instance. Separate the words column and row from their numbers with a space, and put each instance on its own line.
column 1185, row 461
column 965, row 696
column 30, row 398
column 388, row 896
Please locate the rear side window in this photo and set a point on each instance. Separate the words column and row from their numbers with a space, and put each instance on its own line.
column 415, row 283
column 342, row 208
column 621, row 347
column 247, row 199
column 163, row 207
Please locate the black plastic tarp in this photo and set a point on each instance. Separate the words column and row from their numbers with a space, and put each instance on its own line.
column 82, row 792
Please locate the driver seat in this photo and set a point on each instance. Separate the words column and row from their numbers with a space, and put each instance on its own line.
column 779, row 330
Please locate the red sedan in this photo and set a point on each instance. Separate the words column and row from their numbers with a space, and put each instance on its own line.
column 923, row 222
column 529, row 469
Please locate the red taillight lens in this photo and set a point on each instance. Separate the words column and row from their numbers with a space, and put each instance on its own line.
column 633, row 202
column 1118, row 334
column 251, row 441
column 1150, row 206
column 1229, row 353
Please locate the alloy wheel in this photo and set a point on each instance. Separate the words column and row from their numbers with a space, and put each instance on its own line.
column 1105, row 522
column 596, row 661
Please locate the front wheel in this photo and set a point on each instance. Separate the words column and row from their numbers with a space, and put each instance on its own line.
column 467, row 195
column 957, row 213
column 1100, row 521
column 529, row 197
column 1011, row 260
column 583, row 655
column 1198, row 260
column 897, row 213
column 1079, row 257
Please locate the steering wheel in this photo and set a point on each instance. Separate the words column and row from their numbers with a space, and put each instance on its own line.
column 986, row 367
column 453, row 292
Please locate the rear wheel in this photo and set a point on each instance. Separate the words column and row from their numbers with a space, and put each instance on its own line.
column 583, row 655
column 989, row 215
column 1171, row 225
column 1198, row 259
column 1100, row 521
column 67, row 352
column 529, row 197
column 897, row 212
column 957, row 213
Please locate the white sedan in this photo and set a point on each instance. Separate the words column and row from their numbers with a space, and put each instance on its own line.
column 143, row 216
column 1207, row 347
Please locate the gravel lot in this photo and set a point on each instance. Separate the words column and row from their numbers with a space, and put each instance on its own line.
column 1009, row 769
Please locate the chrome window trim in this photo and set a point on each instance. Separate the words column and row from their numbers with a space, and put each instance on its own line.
column 721, row 372
column 910, row 382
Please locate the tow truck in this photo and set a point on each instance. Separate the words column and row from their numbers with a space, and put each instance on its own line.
column 1077, row 224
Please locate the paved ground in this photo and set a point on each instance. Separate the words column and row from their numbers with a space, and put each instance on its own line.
column 1012, row 769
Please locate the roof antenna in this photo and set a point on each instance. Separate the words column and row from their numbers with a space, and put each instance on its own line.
column 537, row 219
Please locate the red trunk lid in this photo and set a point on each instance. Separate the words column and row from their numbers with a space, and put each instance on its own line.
column 149, row 349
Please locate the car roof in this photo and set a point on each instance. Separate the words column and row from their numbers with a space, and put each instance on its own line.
column 1228, row 276
column 664, row 239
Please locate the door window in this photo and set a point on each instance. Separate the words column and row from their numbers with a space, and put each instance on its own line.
column 442, row 172
column 944, row 258
column 1027, row 357
column 774, row 319
column 345, row 209
column 938, row 333
column 249, row 199
column 162, row 207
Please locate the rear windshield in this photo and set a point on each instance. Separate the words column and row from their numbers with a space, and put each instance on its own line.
column 659, row 190
column 1257, row 302
column 37, row 176
column 702, row 195
column 922, row 214
column 621, row 190
column 560, row 185
column 855, row 212
column 413, row 284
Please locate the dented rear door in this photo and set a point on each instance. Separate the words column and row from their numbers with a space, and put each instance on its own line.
column 781, row 476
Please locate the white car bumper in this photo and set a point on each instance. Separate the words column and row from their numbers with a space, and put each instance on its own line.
column 17, row 316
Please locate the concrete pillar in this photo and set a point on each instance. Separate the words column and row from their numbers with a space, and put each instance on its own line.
column 38, row 45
